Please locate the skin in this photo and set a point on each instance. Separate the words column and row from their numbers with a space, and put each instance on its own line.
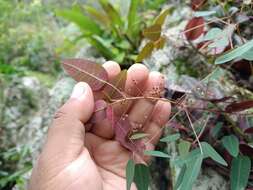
column 76, row 156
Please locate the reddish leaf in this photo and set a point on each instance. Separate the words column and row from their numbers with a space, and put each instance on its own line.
column 123, row 131
column 119, row 82
column 194, row 28
column 99, row 112
column 246, row 150
column 241, row 106
column 197, row 4
column 87, row 71
column 249, row 130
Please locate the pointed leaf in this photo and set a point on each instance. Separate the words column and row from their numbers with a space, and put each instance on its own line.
column 159, row 44
column 180, row 177
column 145, row 52
column 231, row 143
column 87, row 71
column 209, row 151
column 156, row 153
column 239, row 106
column 133, row 13
column 191, row 173
column 235, row 53
column 142, row 177
column 136, row 136
column 194, row 28
column 248, row 55
column 161, row 18
column 130, row 168
column 239, row 173
column 82, row 21
column 153, row 32
column 97, row 15
column 184, row 147
column 170, row 138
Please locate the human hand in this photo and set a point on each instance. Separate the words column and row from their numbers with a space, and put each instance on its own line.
column 75, row 157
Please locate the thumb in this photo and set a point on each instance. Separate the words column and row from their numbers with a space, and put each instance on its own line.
column 66, row 136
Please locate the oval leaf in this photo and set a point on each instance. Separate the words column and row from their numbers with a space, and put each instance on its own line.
column 240, row 171
column 136, row 136
column 194, row 28
column 87, row 71
column 231, row 144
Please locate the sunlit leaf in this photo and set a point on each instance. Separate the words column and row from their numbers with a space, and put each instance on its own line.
column 231, row 143
column 159, row 44
column 209, row 151
column 153, row 32
column 161, row 17
column 145, row 52
column 142, row 177
column 97, row 15
column 204, row 13
column 156, row 153
column 235, row 53
column 133, row 13
column 191, row 173
column 112, row 13
column 136, row 136
column 239, row 173
column 248, row 55
column 87, row 71
column 130, row 168
column 170, row 138
column 85, row 23
column 194, row 28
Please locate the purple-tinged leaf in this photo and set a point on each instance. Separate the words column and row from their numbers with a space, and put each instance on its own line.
column 87, row 71
column 239, row 106
column 246, row 149
column 249, row 130
column 194, row 28
column 119, row 82
column 99, row 112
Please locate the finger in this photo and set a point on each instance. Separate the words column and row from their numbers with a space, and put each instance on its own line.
column 141, row 110
column 66, row 136
column 137, row 76
column 159, row 118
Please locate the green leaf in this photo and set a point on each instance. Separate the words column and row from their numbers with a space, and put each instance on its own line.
column 130, row 168
column 136, row 136
column 170, row 138
column 204, row 13
column 209, row 151
column 248, row 55
column 191, row 173
column 141, row 177
column 231, row 144
column 133, row 13
column 145, row 52
column 180, row 177
column 83, row 22
column 112, row 13
column 153, row 32
column 161, row 18
column 97, row 15
column 184, row 147
column 156, row 153
column 215, row 130
column 191, row 156
column 239, row 173
column 235, row 53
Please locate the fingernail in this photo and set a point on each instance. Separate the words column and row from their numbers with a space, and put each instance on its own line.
column 78, row 90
